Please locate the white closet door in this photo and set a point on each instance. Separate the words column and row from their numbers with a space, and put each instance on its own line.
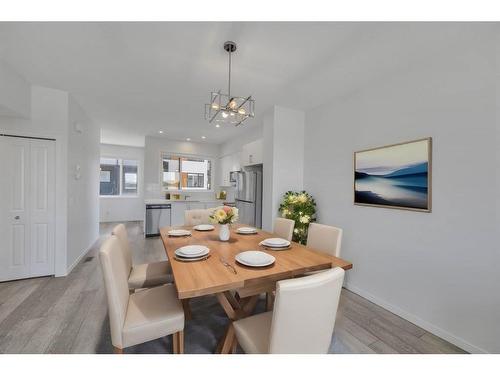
column 15, row 242
column 27, row 207
column 42, row 207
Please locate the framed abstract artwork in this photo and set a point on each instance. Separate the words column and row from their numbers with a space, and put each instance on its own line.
column 395, row 176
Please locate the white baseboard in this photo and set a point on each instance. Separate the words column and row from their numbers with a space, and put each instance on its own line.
column 417, row 321
column 80, row 257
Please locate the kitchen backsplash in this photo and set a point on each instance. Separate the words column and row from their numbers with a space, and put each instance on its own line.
column 152, row 191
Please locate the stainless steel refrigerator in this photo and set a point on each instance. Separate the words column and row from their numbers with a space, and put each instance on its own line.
column 248, row 197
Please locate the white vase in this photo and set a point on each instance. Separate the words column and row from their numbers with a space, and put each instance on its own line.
column 224, row 232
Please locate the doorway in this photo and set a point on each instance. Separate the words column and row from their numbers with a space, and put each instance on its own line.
column 27, row 207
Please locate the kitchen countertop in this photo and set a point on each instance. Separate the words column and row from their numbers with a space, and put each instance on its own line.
column 165, row 201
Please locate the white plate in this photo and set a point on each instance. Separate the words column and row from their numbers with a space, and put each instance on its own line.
column 192, row 251
column 246, row 230
column 204, row 227
column 179, row 232
column 254, row 258
column 275, row 242
column 182, row 259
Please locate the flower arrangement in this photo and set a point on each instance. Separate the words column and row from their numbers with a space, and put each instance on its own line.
column 224, row 215
column 301, row 208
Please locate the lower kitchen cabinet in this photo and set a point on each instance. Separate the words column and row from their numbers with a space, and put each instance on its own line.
column 178, row 209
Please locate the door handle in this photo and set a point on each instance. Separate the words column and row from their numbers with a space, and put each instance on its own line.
column 17, row 217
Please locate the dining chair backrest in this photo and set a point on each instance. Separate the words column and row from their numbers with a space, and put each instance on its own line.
column 283, row 228
column 197, row 217
column 304, row 313
column 121, row 232
column 115, row 274
column 324, row 238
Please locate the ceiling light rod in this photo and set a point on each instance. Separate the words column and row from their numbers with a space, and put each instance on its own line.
column 230, row 47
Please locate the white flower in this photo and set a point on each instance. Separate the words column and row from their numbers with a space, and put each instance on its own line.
column 305, row 219
column 302, row 198
column 296, row 230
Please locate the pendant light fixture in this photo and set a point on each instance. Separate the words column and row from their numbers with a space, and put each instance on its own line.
column 225, row 107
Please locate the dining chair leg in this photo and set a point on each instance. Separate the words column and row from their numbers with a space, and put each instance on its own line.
column 117, row 350
column 187, row 309
column 180, row 343
column 269, row 301
column 175, row 342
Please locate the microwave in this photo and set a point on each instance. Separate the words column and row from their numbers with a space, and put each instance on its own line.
column 233, row 177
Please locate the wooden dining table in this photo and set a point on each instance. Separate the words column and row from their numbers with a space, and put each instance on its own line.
column 237, row 287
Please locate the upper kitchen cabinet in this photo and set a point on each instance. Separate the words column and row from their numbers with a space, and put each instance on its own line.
column 227, row 164
column 252, row 154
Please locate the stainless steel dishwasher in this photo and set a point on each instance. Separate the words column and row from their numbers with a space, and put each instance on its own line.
column 157, row 216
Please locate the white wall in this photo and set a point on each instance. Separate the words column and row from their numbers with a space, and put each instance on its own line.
column 49, row 118
column 15, row 93
column 83, row 188
column 283, row 167
column 152, row 153
column 439, row 269
column 124, row 208
column 254, row 132
column 76, row 204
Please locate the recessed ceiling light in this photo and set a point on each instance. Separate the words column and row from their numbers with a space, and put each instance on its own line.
column 203, row 137
column 217, row 125
column 160, row 131
column 188, row 139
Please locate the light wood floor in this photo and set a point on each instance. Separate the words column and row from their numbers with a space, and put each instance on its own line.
column 69, row 315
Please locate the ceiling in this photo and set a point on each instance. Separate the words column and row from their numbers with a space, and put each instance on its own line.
column 137, row 78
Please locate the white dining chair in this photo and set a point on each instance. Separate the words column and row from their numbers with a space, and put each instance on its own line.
column 283, row 228
column 324, row 238
column 197, row 217
column 302, row 321
column 144, row 275
column 143, row 316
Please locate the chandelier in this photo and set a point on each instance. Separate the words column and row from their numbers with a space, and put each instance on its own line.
column 227, row 108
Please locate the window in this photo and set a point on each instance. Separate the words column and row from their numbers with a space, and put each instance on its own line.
column 118, row 177
column 185, row 173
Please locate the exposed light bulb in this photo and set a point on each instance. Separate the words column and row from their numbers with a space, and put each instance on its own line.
column 203, row 137
column 188, row 139
column 217, row 125
column 160, row 131
column 232, row 113
column 233, row 104
column 215, row 106
column 241, row 111
column 224, row 114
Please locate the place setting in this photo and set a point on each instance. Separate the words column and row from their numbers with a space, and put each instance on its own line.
column 246, row 230
column 275, row 244
column 179, row 233
column 192, row 253
column 204, row 227
column 255, row 258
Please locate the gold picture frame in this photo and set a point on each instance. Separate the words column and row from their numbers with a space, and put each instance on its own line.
column 403, row 186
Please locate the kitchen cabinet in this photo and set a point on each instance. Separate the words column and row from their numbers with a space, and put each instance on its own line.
column 227, row 164
column 179, row 208
column 195, row 206
column 252, row 153
column 177, row 214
